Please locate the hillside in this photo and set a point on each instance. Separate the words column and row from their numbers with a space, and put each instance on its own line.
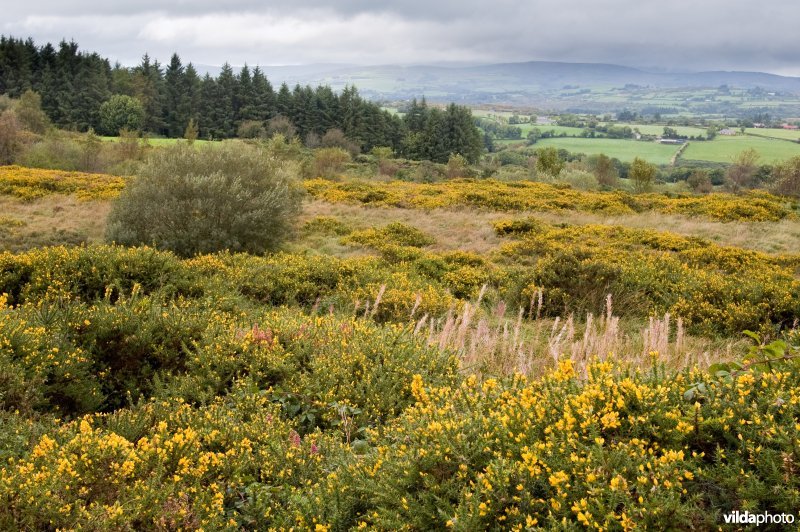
column 433, row 355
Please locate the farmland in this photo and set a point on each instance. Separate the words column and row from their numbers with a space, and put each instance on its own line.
column 622, row 149
column 658, row 130
column 723, row 149
column 771, row 144
column 785, row 134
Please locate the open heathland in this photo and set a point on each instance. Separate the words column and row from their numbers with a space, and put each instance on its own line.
column 453, row 354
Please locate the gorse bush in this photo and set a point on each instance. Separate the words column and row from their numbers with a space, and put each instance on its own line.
column 393, row 233
column 144, row 391
column 616, row 451
column 32, row 183
column 715, row 289
column 518, row 195
column 201, row 200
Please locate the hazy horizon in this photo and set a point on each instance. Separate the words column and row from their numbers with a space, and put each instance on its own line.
column 678, row 36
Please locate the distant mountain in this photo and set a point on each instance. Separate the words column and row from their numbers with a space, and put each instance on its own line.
column 547, row 83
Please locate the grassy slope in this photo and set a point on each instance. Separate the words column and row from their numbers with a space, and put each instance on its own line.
column 50, row 220
column 469, row 229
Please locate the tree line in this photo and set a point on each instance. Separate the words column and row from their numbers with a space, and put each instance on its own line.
column 81, row 91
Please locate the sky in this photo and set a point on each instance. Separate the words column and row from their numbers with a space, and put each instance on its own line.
column 678, row 35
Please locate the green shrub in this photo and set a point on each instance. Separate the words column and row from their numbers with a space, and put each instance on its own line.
column 329, row 161
column 579, row 179
column 54, row 151
column 121, row 112
column 202, row 200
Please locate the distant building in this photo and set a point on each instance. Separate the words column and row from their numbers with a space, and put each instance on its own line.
column 727, row 131
column 544, row 121
column 789, row 126
column 759, row 125
column 671, row 141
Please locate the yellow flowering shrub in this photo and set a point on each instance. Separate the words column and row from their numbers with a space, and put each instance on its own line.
column 327, row 225
column 394, row 233
column 32, row 183
column 165, row 465
column 619, row 451
column 141, row 391
column 528, row 195
column 715, row 289
column 400, row 296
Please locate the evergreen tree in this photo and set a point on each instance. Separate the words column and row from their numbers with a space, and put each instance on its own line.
column 244, row 102
column 225, row 119
column 192, row 88
column 47, row 86
column 176, row 103
column 147, row 82
column 462, row 136
column 283, row 102
column 74, row 85
column 263, row 96
column 416, row 116
column 209, row 127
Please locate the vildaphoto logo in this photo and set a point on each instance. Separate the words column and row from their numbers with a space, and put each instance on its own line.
column 764, row 518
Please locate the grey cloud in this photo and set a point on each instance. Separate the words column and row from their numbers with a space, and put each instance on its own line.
column 679, row 34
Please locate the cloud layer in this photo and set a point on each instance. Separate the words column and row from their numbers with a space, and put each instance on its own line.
column 677, row 35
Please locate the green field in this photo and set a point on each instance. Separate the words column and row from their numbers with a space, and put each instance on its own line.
column 723, row 149
column 656, row 129
column 774, row 133
column 624, row 150
column 557, row 130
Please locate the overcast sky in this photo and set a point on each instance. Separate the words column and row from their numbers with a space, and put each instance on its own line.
column 668, row 34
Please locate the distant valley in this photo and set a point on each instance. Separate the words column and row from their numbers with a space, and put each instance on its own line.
column 583, row 87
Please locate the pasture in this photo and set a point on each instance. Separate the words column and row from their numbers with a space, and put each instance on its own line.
column 786, row 134
column 723, row 149
column 658, row 129
column 624, row 150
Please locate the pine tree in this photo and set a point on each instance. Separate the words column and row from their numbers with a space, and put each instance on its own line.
column 263, row 96
column 244, row 102
column 176, row 104
column 208, row 124
column 225, row 113
column 192, row 88
column 148, row 81
column 283, row 102
column 191, row 131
